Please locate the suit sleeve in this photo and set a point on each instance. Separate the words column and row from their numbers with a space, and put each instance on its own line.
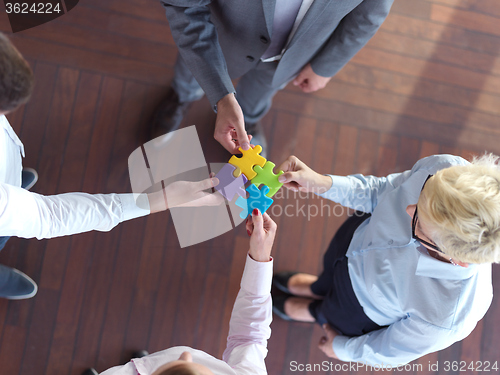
column 352, row 33
column 196, row 38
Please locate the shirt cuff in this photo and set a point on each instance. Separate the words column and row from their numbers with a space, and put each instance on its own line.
column 339, row 347
column 134, row 205
column 340, row 184
column 257, row 277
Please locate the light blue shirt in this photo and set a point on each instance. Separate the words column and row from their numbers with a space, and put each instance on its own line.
column 426, row 304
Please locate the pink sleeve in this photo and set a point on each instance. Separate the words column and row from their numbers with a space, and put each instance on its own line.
column 250, row 320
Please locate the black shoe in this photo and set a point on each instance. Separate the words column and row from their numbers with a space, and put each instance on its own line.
column 16, row 285
column 279, row 309
column 280, row 281
column 90, row 371
column 259, row 138
column 29, row 178
column 140, row 354
column 168, row 115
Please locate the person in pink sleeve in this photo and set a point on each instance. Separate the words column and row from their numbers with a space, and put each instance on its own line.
column 248, row 328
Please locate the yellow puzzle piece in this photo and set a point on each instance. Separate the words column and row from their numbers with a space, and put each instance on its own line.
column 249, row 159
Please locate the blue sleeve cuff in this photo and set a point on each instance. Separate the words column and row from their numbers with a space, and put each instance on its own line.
column 339, row 190
column 339, row 347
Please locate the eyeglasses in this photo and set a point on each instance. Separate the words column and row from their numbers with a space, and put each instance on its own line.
column 414, row 225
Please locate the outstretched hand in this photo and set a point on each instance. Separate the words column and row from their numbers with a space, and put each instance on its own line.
column 230, row 125
column 261, row 229
column 193, row 194
column 299, row 177
column 326, row 342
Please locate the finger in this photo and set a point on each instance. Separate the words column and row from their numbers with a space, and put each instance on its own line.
column 242, row 135
column 288, row 164
column 249, row 225
column 268, row 224
column 306, row 87
column 298, row 80
column 258, row 221
column 207, row 183
column 226, row 140
column 288, row 177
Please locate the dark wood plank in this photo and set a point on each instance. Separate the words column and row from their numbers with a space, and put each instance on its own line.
column 428, row 82
column 468, row 20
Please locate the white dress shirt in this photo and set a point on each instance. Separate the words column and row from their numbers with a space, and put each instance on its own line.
column 248, row 332
column 426, row 304
column 26, row 214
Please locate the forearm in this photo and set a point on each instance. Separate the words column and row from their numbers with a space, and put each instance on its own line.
column 251, row 317
column 395, row 345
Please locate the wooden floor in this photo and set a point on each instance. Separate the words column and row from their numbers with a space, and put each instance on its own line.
column 428, row 82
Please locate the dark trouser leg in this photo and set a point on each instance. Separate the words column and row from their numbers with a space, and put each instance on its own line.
column 340, row 307
column 3, row 241
column 255, row 91
column 184, row 83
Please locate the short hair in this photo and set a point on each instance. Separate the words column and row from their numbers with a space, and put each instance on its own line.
column 462, row 206
column 16, row 76
column 181, row 369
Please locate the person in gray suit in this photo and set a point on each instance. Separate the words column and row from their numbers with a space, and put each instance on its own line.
column 267, row 44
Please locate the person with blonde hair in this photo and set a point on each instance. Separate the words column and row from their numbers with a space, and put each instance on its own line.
column 410, row 272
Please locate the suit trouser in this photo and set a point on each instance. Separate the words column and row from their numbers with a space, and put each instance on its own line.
column 340, row 308
column 254, row 91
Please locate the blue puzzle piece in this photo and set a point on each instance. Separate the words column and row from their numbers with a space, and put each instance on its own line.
column 257, row 199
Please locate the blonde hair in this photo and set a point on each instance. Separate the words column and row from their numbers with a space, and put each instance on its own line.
column 462, row 206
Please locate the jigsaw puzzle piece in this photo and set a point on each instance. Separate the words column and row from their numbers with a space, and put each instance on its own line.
column 257, row 199
column 228, row 184
column 243, row 203
column 249, row 159
column 267, row 177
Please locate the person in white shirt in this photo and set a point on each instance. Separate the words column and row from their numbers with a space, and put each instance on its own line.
column 26, row 214
column 248, row 328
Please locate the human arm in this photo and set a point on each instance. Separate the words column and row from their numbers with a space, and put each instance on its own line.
column 197, row 40
column 355, row 191
column 400, row 343
column 252, row 312
column 352, row 33
column 27, row 214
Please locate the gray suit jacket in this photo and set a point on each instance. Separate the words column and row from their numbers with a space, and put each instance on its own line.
column 223, row 39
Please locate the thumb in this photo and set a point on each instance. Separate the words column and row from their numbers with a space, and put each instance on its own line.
column 289, row 177
column 298, row 80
